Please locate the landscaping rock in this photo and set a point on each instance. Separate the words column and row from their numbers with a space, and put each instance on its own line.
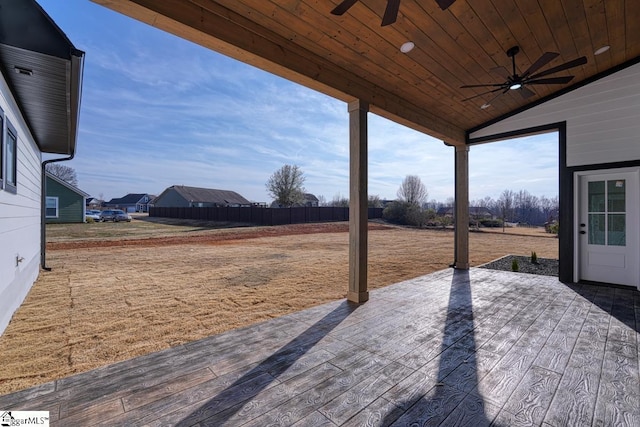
column 545, row 266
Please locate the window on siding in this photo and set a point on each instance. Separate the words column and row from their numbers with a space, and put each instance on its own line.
column 11, row 158
column 52, row 207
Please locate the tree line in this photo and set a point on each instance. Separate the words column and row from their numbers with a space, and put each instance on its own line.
column 286, row 186
column 411, row 205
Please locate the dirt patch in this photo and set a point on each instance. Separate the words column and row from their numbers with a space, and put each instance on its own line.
column 204, row 235
column 101, row 304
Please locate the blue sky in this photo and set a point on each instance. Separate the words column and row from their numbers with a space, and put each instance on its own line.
column 158, row 110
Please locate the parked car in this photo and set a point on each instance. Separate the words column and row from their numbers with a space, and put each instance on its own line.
column 93, row 214
column 114, row 215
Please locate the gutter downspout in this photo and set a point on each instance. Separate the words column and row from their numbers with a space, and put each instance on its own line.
column 43, row 211
column 76, row 71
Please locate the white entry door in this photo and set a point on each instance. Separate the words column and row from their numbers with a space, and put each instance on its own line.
column 609, row 227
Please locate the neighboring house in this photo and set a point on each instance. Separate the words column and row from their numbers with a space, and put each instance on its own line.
column 64, row 202
column 40, row 87
column 311, row 200
column 183, row 196
column 132, row 202
column 93, row 203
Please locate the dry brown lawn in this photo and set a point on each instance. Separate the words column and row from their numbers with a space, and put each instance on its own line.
column 101, row 304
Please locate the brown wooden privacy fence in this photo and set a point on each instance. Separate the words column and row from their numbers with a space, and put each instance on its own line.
column 261, row 216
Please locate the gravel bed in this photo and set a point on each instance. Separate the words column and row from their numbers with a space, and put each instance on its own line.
column 545, row 266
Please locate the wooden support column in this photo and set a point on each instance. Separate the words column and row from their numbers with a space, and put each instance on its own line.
column 358, row 208
column 462, row 207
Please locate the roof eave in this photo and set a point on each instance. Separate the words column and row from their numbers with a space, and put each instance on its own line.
column 49, row 88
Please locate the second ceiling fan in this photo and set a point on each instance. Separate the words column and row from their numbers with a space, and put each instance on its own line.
column 390, row 12
column 520, row 82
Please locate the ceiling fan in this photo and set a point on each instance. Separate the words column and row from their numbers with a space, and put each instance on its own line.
column 520, row 82
column 391, row 11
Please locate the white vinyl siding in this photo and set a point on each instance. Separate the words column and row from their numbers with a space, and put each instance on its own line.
column 20, row 213
column 602, row 119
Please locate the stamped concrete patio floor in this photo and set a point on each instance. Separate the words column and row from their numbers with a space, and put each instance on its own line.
column 451, row 348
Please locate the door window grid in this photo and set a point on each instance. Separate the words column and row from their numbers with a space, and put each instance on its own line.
column 607, row 212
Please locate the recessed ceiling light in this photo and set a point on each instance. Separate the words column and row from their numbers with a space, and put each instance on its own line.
column 485, row 106
column 407, row 47
column 515, row 86
column 603, row 49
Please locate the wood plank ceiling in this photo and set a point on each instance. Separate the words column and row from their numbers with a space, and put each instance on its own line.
column 352, row 56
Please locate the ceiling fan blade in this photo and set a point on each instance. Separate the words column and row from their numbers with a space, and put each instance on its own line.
column 488, row 103
column 481, row 94
column 541, row 62
column 343, row 7
column 526, row 93
column 391, row 12
column 444, row 4
column 501, row 71
column 501, row 85
column 574, row 63
column 551, row 81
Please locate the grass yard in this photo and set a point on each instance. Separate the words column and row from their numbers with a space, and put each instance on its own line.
column 121, row 290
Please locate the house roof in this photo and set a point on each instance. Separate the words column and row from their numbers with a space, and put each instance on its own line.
column 44, row 72
column 129, row 199
column 352, row 57
column 209, row 195
column 66, row 184
column 310, row 197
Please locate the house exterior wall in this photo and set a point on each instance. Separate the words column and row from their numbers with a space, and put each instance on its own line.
column 20, row 216
column 602, row 119
column 125, row 207
column 171, row 199
column 598, row 128
column 70, row 204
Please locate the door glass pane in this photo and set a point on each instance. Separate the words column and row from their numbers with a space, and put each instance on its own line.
column 596, row 196
column 596, row 229
column 616, row 230
column 615, row 195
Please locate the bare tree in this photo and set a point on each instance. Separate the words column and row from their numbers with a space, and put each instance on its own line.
column 412, row 190
column 286, row 185
column 65, row 173
column 339, row 201
column 450, row 202
column 505, row 202
column 374, row 201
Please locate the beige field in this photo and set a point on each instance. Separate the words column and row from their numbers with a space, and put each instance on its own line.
column 142, row 287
